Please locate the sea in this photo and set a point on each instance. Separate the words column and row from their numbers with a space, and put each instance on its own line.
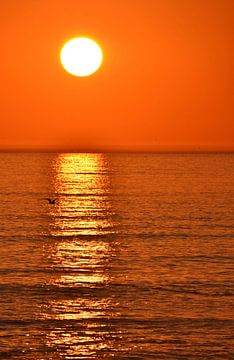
column 134, row 260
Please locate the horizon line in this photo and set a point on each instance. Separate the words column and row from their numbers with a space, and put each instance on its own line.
column 163, row 149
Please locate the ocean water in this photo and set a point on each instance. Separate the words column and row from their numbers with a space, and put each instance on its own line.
column 133, row 261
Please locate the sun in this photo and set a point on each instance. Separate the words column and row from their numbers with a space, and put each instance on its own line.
column 81, row 56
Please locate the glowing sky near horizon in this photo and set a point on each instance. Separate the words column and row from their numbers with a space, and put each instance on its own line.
column 166, row 79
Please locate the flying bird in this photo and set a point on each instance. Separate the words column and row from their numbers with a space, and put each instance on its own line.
column 51, row 201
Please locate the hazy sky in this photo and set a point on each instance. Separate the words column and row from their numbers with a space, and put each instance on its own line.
column 166, row 79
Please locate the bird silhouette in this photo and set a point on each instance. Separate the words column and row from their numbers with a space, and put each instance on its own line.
column 51, row 201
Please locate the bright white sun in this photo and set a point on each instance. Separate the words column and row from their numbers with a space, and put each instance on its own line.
column 81, row 56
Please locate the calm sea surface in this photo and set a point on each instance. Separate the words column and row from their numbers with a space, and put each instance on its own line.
column 134, row 260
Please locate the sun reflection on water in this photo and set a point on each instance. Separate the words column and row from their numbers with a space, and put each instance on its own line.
column 82, row 185
column 81, row 255
column 82, row 262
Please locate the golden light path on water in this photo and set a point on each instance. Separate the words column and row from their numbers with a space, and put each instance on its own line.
column 82, row 184
column 82, row 220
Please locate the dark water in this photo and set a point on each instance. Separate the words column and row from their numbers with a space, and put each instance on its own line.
column 134, row 261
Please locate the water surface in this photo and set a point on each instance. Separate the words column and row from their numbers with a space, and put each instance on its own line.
column 132, row 262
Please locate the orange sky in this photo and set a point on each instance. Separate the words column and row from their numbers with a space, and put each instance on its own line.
column 166, row 79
